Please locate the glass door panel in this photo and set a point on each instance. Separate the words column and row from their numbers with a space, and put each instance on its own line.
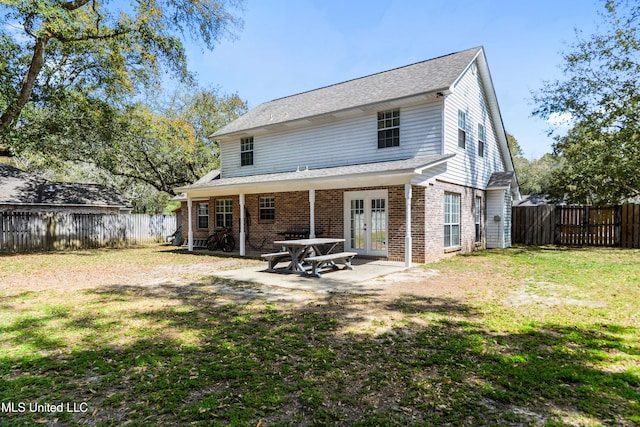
column 357, row 237
column 366, row 219
column 378, row 225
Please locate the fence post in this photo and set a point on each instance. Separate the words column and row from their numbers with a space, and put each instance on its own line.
column 586, row 228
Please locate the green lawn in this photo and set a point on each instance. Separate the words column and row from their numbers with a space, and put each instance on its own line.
column 542, row 337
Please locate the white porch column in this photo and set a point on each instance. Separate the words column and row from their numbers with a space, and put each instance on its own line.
column 407, row 237
column 190, row 223
column 312, row 214
column 242, row 231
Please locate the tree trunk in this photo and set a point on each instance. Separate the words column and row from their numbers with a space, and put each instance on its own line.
column 12, row 112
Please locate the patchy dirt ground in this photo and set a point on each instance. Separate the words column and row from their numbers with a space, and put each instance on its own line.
column 78, row 274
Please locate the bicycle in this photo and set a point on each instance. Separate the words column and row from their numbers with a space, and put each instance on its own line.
column 221, row 239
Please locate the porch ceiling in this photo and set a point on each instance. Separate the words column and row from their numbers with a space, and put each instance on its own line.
column 352, row 176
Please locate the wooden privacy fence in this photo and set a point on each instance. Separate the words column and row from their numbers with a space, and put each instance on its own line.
column 34, row 231
column 617, row 226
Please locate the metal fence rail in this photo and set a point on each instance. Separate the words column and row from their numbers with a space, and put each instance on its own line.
column 35, row 231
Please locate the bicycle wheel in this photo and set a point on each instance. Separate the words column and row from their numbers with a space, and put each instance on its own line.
column 228, row 243
column 213, row 243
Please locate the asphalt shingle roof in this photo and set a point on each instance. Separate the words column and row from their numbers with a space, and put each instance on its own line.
column 379, row 167
column 20, row 187
column 422, row 77
column 501, row 179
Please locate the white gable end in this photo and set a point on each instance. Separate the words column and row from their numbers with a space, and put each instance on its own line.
column 468, row 167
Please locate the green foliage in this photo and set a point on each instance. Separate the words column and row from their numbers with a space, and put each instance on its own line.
column 601, row 94
column 514, row 146
column 71, row 69
column 143, row 149
column 534, row 176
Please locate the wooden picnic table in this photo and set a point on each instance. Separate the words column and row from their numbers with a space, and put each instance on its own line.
column 309, row 254
column 302, row 248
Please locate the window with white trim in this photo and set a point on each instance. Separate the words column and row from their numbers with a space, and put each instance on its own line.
column 478, row 209
column 388, row 128
column 224, row 213
column 246, row 151
column 267, row 208
column 480, row 140
column 462, row 129
column 451, row 220
column 203, row 215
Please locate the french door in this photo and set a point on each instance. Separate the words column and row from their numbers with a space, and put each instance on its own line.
column 366, row 222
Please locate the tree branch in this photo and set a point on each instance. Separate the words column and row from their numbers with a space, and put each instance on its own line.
column 73, row 5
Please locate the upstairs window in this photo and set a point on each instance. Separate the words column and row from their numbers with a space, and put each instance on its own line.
column 462, row 129
column 267, row 208
column 246, row 151
column 480, row 140
column 203, row 215
column 389, row 129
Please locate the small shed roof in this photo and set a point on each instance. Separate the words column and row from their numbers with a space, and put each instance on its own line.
column 18, row 187
column 501, row 180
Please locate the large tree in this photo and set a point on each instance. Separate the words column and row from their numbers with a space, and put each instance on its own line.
column 600, row 96
column 56, row 52
column 534, row 176
column 161, row 144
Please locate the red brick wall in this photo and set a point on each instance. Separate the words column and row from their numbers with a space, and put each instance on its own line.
column 434, row 219
column 203, row 233
column 397, row 218
column 292, row 212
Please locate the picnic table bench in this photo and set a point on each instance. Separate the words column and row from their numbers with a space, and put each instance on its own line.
column 330, row 260
column 274, row 258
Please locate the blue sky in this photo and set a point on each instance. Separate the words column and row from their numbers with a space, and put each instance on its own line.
column 291, row 46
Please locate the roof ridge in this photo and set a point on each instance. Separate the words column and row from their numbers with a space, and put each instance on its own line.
column 428, row 76
column 372, row 74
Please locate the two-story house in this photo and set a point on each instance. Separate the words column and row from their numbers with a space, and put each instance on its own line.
column 407, row 165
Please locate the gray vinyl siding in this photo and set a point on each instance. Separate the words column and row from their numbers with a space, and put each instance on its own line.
column 498, row 231
column 339, row 143
column 495, row 210
column 506, row 224
column 467, row 168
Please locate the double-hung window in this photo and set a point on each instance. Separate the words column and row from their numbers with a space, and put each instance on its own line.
column 224, row 213
column 267, row 208
column 389, row 129
column 480, row 140
column 451, row 220
column 203, row 215
column 462, row 129
column 246, row 151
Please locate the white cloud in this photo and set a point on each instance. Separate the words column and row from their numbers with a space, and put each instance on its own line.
column 562, row 120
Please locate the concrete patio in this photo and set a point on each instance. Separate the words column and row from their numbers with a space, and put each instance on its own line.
column 366, row 276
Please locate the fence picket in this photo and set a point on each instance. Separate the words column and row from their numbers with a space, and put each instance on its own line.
column 34, row 231
column 577, row 226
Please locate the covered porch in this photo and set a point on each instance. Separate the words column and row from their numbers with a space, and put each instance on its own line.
column 368, row 205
